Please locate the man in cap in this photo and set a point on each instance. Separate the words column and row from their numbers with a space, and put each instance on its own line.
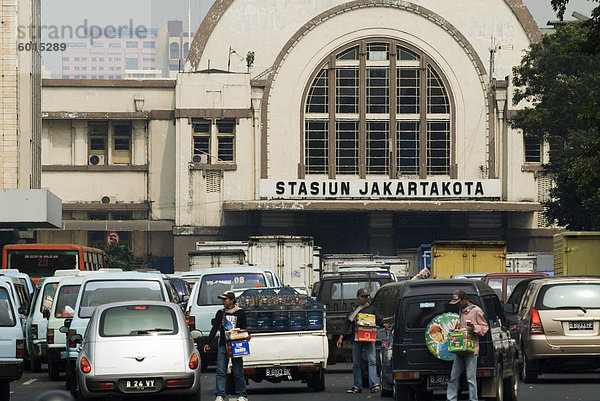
column 470, row 317
column 229, row 318
column 363, row 306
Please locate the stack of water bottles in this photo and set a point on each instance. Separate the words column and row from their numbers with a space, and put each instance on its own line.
column 281, row 309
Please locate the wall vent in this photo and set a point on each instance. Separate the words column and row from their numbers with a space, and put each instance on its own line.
column 213, row 181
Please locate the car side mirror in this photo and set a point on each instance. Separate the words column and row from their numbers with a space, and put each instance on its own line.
column 510, row 308
column 185, row 298
column 46, row 313
column 196, row 334
column 22, row 310
column 76, row 338
column 68, row 322
column 64, row 329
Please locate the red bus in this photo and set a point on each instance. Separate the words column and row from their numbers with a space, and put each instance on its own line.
column 41, row 260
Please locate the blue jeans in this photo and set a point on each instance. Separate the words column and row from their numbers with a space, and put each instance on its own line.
column 369, row 348
column 237, row 368
column 462, row 361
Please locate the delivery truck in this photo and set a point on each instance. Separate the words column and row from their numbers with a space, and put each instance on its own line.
column 577, row 253
column 459, row 257
column 217, row 254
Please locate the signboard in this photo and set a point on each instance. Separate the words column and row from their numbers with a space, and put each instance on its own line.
column 436, row 335
column 112, row 238
column 380, row 189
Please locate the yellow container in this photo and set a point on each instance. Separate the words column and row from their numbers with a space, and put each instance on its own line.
column 460, row 257
column 577, row 253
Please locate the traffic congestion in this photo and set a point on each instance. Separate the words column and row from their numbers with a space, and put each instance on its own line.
column 239, row 332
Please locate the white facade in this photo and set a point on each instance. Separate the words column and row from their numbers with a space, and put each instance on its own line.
column 236, row 138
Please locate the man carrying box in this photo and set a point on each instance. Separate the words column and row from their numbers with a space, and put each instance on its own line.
column 471, row 318
column 363, row 321
column 229, row 318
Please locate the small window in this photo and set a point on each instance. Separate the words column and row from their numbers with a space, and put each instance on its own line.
column 131, row 45
column 48, row 296
column 122, row 144
column 65, row 302
column 149, row 45
column 131, row 63
column 7, row 317
column 174, row 50
column 533, row 150
column 201, row 139
column 226, row 141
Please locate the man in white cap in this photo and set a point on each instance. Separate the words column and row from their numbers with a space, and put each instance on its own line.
column 471, row 317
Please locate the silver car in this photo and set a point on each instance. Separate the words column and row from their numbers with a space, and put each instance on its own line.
column 138, row 348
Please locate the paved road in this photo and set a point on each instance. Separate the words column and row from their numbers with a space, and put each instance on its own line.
column 568, row 387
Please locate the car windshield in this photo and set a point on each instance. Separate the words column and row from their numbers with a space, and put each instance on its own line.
column 65, row 302
column 576, row 295
column 348, row 289
column 7, row 317
column 212, row 285
column 419, row 313
column 138, row 320
column 48, row 296
column 99, row 292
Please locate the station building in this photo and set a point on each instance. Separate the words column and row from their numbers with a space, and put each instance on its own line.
column 371, row 125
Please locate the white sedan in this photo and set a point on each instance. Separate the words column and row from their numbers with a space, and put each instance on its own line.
column 138, row 348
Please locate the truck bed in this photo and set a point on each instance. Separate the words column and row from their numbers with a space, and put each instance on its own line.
column 287, row 349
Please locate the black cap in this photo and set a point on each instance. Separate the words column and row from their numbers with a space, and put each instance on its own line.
column 457, row 296
column 227, row 295
column 362, row 292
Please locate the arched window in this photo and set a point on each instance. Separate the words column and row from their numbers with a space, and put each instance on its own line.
column 174, row 50
column 186, row 48
column 377, row 107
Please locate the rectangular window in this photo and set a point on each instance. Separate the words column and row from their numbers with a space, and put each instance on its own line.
column 316, row 152
column 98, row 137
column 408, row 90
column 347, row 90
column 408, row 147
column 226, row 140
column 201, row 139
column 378, row 89
column 114, row 44
column 149, row 45
column 122, row 144
column 438, row 147
column 533, row 150
column 377, row 52
column 378, row 140
column 346, row 147
column 131, row 44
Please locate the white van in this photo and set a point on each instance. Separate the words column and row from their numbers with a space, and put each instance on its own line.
column 12, row 346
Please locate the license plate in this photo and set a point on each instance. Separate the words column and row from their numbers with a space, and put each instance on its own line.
column 277, row 372
column 140, row 384
column 581, row 325
column 438, row 380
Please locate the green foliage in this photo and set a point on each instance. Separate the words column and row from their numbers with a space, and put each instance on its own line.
column 592, row 43
column 561, row 82
column 119, row 256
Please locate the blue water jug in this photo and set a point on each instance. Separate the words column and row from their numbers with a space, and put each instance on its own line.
column 297, row 317
column 264, row 319
column 281, row 318
column 251, row 312
column 315, row 316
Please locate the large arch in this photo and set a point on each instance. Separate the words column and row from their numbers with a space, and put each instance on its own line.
column 219, row 8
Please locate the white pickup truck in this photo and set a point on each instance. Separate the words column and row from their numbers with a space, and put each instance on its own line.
column 294, row 348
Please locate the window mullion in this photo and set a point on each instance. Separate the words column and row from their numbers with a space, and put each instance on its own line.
column 393, row 76
column 423, row 120
column 362, row 110
column 332, row 107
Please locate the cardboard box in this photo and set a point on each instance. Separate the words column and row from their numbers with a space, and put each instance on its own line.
column 365, row 334
column 461, row 341
column 237, row 349
column 366, row 319
column 236, row 335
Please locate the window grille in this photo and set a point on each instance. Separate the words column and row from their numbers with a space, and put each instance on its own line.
column 213, row 181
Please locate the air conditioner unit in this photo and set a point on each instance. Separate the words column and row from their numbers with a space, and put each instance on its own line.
column 202, row 158
column 96, row 160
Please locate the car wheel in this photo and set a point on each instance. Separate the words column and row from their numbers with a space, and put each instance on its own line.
column 386, row 392
column 317, row 383
column 403, row 392
column 499, row 384
column 511, row 385
column 4, row 390
column 528, row 373
column 229, row 384
column 53, row 371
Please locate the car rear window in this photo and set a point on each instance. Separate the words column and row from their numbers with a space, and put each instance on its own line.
column 48, row 296
column 212, row 285
column 65, row 302
column 348, row 289
column 7, row 317
column 138, row 320
column 99, row 292
column 576, row 295
column 418, row 313
column 511, row 283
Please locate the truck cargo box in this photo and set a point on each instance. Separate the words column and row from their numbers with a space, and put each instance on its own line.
column 577, row 253
column 459, row 257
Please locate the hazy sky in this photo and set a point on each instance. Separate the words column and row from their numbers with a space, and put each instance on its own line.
column 154, row 13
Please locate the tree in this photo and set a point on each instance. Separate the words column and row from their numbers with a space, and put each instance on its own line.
column 592, row 44
column 119, row 256
column 561, row 82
